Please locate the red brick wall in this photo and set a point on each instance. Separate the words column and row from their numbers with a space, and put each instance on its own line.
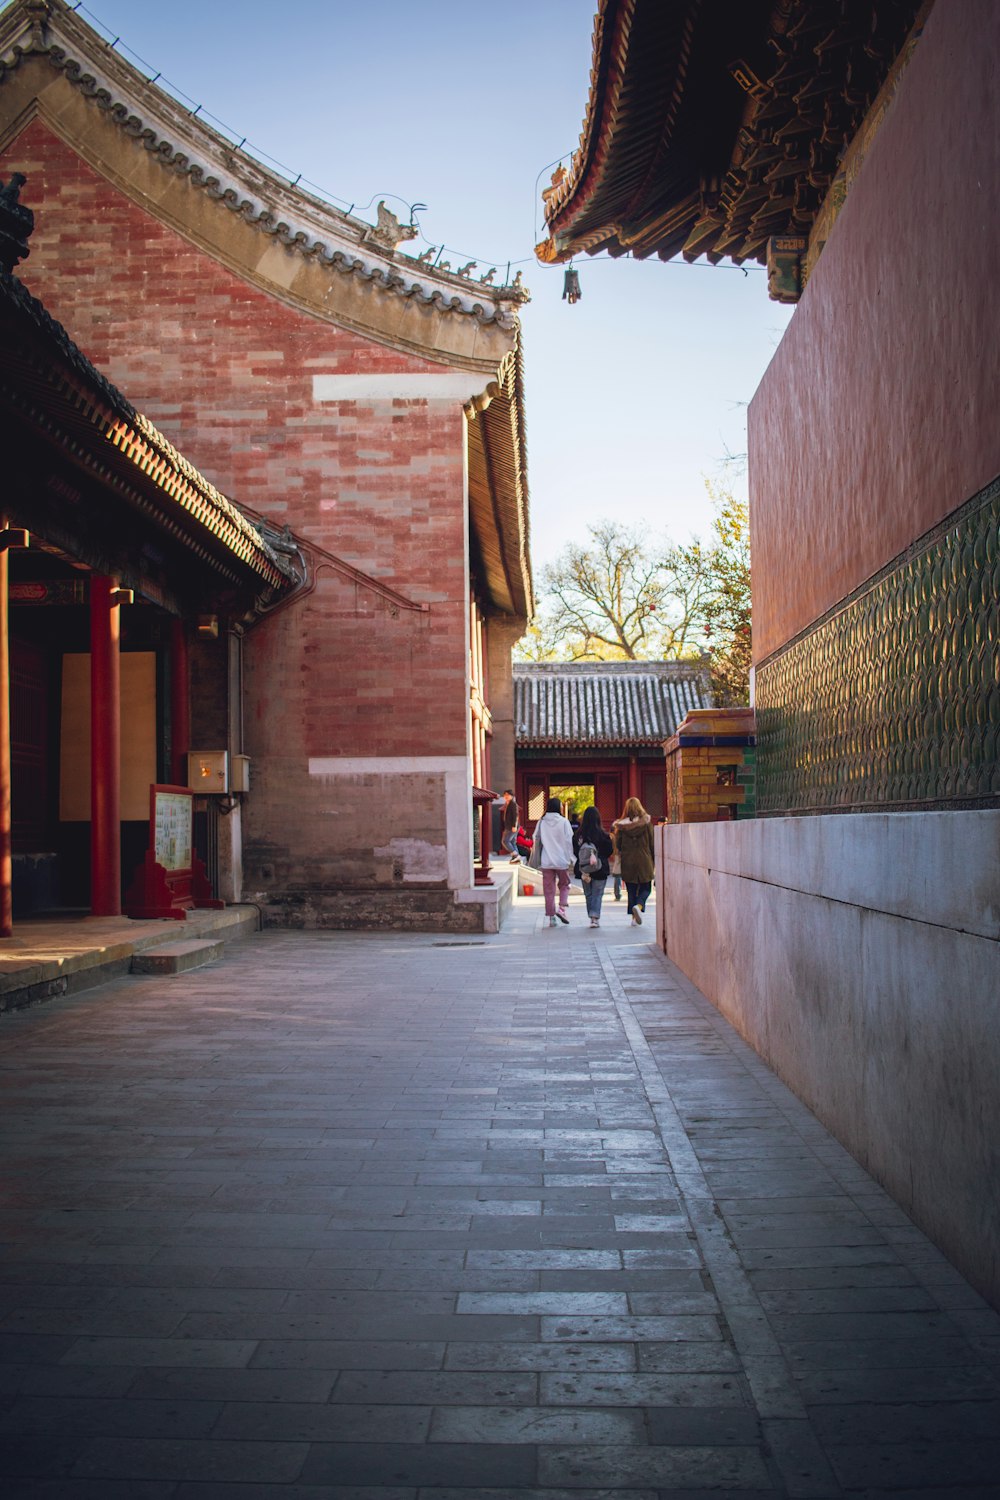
column 877, row 416
column 226, row 372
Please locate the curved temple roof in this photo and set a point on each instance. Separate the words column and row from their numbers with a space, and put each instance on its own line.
column 570, row 704
column 714, row 124
column 343, row 270
column 291, row 245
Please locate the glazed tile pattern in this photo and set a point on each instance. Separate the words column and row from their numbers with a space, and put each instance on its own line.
column 895, row 698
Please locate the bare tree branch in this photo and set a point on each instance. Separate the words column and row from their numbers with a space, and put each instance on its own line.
column 628, row 597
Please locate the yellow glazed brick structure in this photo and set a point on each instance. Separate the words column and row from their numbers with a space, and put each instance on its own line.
column 711, row 766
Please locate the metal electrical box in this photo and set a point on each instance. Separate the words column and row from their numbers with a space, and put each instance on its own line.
column 208, row 771
column 239, row 774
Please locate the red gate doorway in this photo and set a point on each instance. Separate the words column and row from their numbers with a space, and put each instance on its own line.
column 613, row 784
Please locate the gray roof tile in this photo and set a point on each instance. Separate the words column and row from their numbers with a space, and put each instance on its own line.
column 605, row 703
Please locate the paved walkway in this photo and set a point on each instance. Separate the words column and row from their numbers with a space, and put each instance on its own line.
column 54, row 956
column 416, row 1218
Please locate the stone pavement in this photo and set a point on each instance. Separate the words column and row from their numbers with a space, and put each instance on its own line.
column 396, row 1217
column 52, row 956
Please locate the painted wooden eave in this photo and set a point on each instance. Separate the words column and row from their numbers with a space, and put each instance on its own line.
column 631, row 108
column 713, row 126
column 498, row 492
column 50, row 388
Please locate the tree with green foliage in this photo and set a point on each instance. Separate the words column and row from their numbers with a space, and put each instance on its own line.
column 727, row 617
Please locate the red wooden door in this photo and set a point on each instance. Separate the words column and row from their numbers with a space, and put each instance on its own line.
column 654, row 792
column 608, row 798
column 536, row 792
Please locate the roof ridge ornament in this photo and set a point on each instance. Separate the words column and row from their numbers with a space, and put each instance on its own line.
column 555, row 183
column 191, row 149
column 388, row 232
column 16, row 223
column 39, row 13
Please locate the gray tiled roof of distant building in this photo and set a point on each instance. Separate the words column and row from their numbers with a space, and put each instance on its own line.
column 605, row 703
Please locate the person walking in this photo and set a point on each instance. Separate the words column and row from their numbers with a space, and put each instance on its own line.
column 508, row 839
column 554, row 841
column 592, row 843
column 615, row 866
column 634, row 840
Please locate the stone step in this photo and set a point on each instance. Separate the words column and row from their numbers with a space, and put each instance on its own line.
column 176, row 958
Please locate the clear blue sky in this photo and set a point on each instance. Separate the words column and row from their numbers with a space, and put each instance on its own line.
column 634, row 394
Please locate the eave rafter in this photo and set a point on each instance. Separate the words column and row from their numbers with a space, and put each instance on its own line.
column 52, row 391
column 498, row 492
column 712, row 128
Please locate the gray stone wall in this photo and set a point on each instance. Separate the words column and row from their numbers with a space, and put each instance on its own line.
column 860, row 956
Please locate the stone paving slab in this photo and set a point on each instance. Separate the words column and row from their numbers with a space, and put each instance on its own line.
column 176, row 958
column 370, row 1217
column 54, row 956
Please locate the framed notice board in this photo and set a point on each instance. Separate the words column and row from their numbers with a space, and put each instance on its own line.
column 172, row 879
column 171, row 820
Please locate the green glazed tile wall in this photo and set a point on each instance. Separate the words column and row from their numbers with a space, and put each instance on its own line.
column 895, row 698
column 746, row 777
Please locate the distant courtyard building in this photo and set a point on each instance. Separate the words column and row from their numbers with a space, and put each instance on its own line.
column 363, row 409
column 601, row 724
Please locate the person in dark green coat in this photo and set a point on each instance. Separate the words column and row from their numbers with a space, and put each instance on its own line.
column 633, row 833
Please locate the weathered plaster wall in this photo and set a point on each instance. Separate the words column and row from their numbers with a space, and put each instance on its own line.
column 877, row 416
column 227, row 372
column 860, row 957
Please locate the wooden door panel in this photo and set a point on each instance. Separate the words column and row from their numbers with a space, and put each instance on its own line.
column 654, row 793
column 608, row 798
column 29, row 746
column 536, row 796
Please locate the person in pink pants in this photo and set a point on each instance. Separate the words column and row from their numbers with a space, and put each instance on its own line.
column 555, row 837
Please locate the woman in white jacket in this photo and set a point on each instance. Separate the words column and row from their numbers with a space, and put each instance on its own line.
column 554, row 834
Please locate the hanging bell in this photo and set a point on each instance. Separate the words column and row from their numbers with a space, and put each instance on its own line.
column 571, row 285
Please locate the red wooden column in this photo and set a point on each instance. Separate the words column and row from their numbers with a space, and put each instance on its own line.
column 482, row 802
column 633, row 776
column 105, row 748
column 180, row 703
column 488, row 766
column 8, row 539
